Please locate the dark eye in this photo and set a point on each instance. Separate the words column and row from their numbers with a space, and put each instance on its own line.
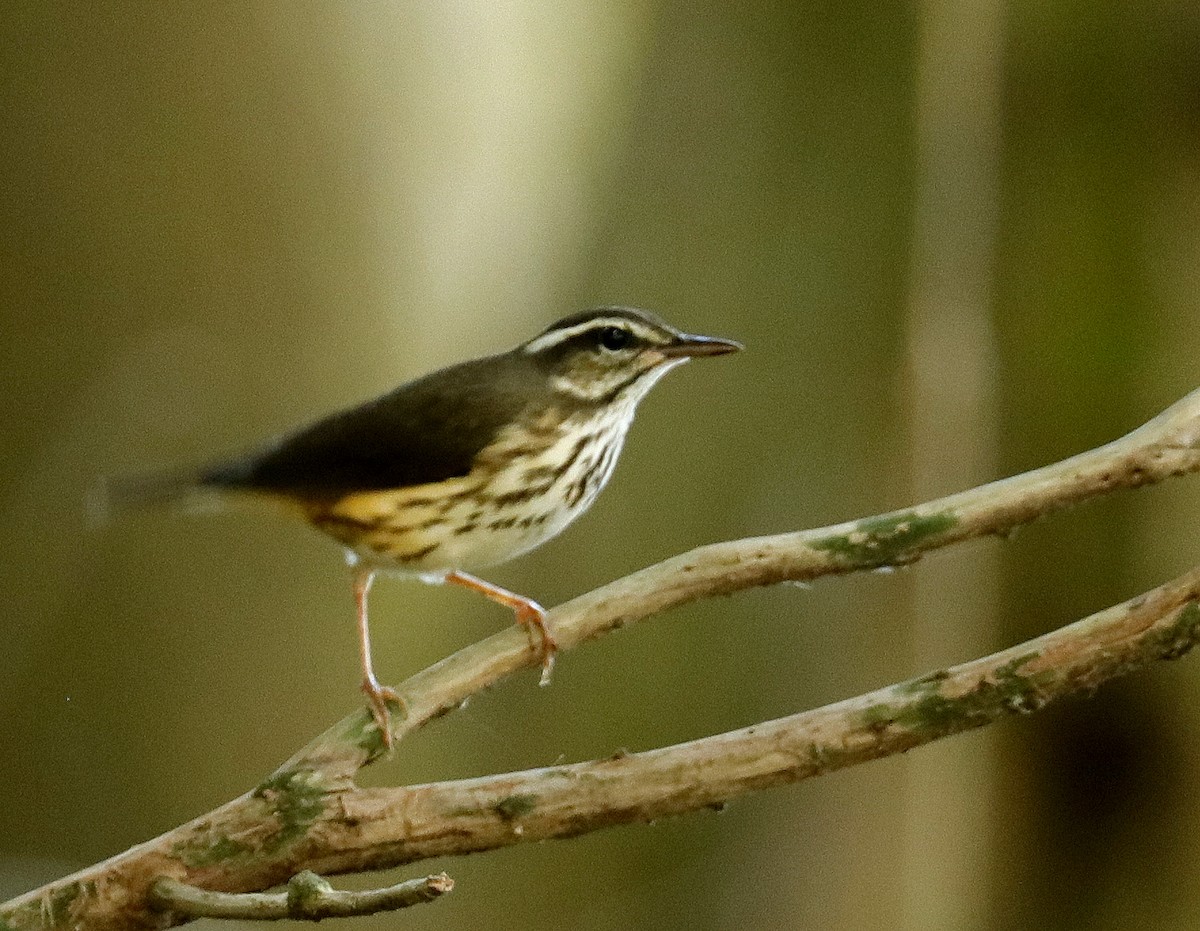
column 614, row 338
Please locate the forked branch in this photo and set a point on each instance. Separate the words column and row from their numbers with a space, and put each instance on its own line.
column 311, row 815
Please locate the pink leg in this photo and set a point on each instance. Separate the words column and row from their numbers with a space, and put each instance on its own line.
column 528, row 612
column 377, row 695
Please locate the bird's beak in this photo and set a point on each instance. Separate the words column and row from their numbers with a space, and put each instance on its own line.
column 686, row 346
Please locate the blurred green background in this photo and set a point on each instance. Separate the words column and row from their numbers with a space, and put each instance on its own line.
column 958, row 240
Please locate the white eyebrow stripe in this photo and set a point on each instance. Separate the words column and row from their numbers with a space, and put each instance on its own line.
column 554, row 337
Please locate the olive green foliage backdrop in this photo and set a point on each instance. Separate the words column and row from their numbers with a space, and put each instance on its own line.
column 223, row 219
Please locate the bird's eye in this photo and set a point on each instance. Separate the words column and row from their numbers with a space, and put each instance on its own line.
column 614, row 338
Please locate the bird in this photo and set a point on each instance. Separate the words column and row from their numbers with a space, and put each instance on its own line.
column 461, row 469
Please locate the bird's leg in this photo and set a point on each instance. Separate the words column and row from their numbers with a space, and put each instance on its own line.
column 377, row 695
column 528, row 612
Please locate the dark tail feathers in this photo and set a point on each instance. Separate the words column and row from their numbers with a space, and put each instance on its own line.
column 121, row 494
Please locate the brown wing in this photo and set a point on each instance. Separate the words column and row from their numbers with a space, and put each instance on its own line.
column 427, row 430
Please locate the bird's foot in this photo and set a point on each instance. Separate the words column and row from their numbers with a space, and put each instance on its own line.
column 533, row 616
column 528, row 612
column 379, row 699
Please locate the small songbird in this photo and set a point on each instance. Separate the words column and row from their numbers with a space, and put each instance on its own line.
column 463, row 468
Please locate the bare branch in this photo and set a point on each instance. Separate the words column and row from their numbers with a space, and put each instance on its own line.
column 310, row 813
column 390, row 826
column 1169, row 445
column 308, row 897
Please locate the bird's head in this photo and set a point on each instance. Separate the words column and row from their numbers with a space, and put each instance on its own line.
column 614, row 354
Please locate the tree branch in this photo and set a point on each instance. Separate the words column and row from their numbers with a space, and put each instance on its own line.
column 310, row 814
column 308, row 898
column 393, row 826
column 1168, row 445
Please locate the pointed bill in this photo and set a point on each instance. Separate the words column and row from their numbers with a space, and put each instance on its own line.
column 687, row 346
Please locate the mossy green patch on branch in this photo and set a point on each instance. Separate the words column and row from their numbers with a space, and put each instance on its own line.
column 509, row 808
column 203, row 851
column 296, row 798
column 24, row 918
column 54, row 910
column 888, row 539
column 340, row 751
column 515, row 806
column 878, row 716
column 931, row 713
column 1006, row 690
column 363, row 732
column 924, row 683
column 63, row 901
column 1178, row 639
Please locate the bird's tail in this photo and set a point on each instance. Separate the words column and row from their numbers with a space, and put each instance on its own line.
column 188, row 489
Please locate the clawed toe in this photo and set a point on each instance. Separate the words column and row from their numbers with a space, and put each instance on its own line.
column 534, row 619
column 379, row 697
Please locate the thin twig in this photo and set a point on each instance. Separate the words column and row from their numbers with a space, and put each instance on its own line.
column 308, row 897
column 310, row 813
